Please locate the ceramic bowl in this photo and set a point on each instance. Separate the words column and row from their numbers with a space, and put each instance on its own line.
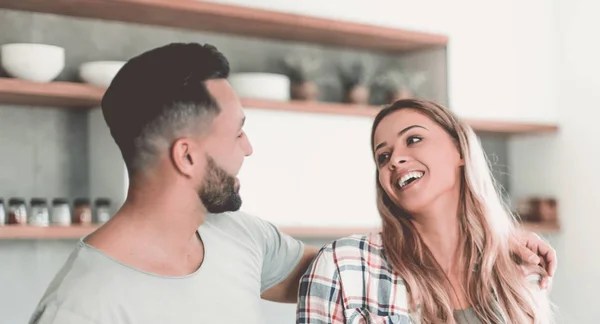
column 33, row 62
column 99, row 73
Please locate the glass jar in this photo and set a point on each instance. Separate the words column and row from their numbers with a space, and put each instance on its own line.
column 17, row 212
column 103, row 213
column 39, row 215
column 61, row 213
column 3, row 219
column 82, row 211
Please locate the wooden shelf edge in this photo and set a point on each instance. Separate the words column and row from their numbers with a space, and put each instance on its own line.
column 238, row 20
column 338, row 232
column 312, row 107
column 505, row 127
column 76, row 232
column 542, row 227
column 84, row 96
column 58, row 94
column 325, row 232
column 26, row 232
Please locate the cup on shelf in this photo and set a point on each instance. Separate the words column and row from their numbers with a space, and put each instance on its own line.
column 33, row 62
column 99, row 73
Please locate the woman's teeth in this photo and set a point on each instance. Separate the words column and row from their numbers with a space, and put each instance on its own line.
column 409, row 177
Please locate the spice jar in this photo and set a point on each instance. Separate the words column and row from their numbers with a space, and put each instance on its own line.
column 102, row 210
column 61, row 213
column 39, row 215
column 82, row 211
column 17, row 212
column 3, row 219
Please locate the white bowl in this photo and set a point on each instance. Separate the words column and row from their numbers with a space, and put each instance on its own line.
column 33, row 62
column 99, row 73
column 269, row 86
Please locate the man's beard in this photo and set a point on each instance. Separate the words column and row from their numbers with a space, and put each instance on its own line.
column 218, row 192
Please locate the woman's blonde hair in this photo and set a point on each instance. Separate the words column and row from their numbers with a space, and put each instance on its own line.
column 496, row 287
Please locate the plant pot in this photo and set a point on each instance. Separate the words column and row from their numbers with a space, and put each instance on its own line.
column 358, row 94
column 402, row 93
column 307, row 91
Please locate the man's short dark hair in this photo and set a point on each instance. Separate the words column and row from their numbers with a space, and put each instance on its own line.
column 160, row 94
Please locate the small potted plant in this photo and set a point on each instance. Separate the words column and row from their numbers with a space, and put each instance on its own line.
column 398, row 84
column 302, row 69
column 356, row 78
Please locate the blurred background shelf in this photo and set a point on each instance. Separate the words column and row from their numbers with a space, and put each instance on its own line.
column 76, row 232
column 542, row 227
column 56, row 94
column 243, row 21
column 50, row 232
column 83, row 96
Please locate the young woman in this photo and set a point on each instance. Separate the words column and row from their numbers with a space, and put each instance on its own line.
column 444, row 253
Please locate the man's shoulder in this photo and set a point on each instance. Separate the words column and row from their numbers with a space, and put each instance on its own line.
column 238, row 228
column 76, row 288
column 232, row 218
column 239, row 224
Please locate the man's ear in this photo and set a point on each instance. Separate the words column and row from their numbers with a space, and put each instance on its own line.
column 184, row 156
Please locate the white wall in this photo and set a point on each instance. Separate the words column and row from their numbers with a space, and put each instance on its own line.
column 566, row 164
column 309, row 170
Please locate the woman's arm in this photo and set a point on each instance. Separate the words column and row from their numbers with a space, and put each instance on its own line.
column 320, row 295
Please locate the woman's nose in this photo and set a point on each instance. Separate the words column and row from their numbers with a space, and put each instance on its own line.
column 397, row 161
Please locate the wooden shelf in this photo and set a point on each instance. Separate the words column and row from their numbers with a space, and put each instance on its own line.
column 80, row 95
column 238, row 20
column 337, row 232
column 506, row 127
column 542, row 227
column 58, row 94
column 24, row 232
column 76, row 232
column 312, row 107
column 326, row 232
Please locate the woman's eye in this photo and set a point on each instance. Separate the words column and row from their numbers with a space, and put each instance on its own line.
column 413, row 139
column 382, row 158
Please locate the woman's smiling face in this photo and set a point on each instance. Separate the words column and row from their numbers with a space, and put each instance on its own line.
column 417, row 159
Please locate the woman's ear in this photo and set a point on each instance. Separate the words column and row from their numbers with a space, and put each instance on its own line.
column 461, row 162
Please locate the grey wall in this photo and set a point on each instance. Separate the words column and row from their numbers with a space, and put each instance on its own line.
column 43, row 152
column 44, row 149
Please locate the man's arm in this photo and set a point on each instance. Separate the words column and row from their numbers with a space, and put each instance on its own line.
column 535, row 251
column 284, row 259
column 287, row 290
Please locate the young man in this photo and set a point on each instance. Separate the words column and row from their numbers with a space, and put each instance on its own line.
column 178, row 250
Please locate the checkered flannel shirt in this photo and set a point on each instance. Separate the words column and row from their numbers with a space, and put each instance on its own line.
column 350, row 282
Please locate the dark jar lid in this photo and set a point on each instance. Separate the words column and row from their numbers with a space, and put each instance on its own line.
column 81, row 202
column 1, row 200
column 102, row 202
column 16, row 201
column 38, row 202
column 59, row 201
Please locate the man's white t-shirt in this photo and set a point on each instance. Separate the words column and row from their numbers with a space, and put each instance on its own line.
column 244, row 256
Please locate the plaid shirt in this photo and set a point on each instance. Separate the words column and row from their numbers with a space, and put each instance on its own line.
column 350, row 282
